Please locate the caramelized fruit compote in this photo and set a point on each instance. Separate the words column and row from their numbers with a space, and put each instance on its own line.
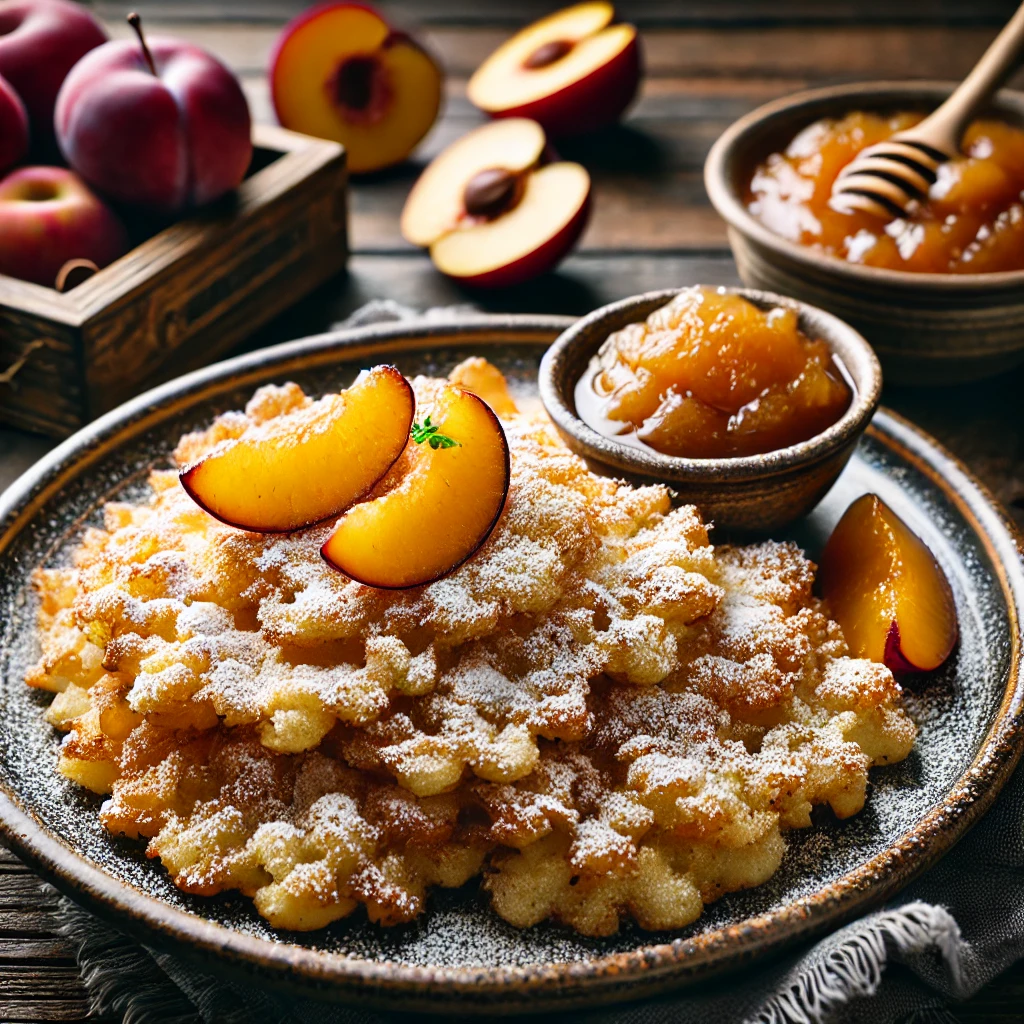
column 972, row 222
column 712, row 376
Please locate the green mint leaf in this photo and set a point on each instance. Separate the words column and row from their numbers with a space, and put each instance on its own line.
column 428, row 432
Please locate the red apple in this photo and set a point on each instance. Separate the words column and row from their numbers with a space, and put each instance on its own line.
column 161, row 125
column 573, row 71
column 13, row 127
column 341, row 72
column 40, row 42
column 50, row 216
column 491, row 213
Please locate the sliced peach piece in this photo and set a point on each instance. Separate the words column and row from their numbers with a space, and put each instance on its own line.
column 572, row 71
column 886, row 590
column 440, row 511
column 341, row 72
column 309, row 464
column 437, row 204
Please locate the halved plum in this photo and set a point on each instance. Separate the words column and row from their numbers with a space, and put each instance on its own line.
column 573, row 71
column 492, row 212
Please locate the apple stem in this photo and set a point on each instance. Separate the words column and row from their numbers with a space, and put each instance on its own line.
column 136, row 23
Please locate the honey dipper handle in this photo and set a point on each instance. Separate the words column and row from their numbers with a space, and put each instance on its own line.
column 945, row 127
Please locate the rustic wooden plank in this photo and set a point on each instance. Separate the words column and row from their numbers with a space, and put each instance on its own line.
column 22, row 924
column 34, row 949
column 644, row 12
column 584, row 281
column 21, row 981
column 29, row 1011
column 23, row 891
column 18, row 451
column 798, row 50
column 678, row 98
column 858, row 51
column 628, row 211
column 39, row 977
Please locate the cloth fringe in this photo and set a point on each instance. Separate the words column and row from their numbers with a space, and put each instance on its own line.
column 931, row 1016
column 379, row 311
column 855, row 968
column 122, row 979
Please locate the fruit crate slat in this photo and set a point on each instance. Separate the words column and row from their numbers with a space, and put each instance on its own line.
column 182, row 297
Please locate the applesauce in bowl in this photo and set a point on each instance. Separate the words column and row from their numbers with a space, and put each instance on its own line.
column 971, row 223
column 740, row 493
column 710, row 375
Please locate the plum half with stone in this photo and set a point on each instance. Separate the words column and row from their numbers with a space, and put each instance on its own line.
column 574, row 71
column 886, row 590
column 492, row 212
column 438, row 505
column 340, row 71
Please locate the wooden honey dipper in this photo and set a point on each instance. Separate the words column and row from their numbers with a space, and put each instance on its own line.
column 887, row 177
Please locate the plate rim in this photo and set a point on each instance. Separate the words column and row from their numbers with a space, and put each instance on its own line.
column 649, row 968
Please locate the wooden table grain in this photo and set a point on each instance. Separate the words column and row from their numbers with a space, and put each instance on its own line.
column 708, row 62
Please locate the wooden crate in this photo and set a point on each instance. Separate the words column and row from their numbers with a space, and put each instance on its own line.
column 182, row 297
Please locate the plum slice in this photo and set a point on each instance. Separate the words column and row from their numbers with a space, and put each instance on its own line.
column 310, row 464
column 886, row 590
column 440, row 510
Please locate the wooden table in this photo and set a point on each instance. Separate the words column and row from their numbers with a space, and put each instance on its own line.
column 708, row 61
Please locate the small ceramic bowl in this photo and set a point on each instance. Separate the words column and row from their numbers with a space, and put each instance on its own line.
column 926, row 328
column 752, row 494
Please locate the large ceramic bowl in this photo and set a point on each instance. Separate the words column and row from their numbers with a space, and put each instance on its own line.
column 926, row 328
column 749, row 494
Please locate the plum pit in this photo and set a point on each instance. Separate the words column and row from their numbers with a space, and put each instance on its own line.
column 548, row 53
column 361, row 88
column 491, row 192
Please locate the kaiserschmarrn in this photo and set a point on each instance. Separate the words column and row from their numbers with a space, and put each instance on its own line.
column 598, row 713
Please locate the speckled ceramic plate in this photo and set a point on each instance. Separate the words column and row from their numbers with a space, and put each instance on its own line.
column 460, row 956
